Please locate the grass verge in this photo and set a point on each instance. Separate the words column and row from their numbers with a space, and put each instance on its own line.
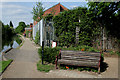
column 4, row 65
column 45, row 67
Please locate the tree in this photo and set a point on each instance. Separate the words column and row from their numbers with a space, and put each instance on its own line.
column 20, row 28
column 27, row 25
column 107, row 16
column 7, row 34
column 37, row 12
column 11, row 25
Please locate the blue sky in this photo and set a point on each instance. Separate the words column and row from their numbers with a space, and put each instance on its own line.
column 21, row 11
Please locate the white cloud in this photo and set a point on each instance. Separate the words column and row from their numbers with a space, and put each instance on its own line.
column 13, row 6
column 73, row 6
column 16, row 13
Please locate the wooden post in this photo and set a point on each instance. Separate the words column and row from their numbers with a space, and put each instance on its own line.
column 77, row 35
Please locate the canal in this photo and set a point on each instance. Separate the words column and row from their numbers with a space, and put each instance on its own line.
column 12, row 42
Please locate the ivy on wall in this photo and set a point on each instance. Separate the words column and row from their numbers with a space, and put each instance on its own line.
column 65, row 27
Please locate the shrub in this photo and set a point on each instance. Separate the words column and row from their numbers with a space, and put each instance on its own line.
column 49, row 54
column 18, row 40
column 27, row 33
column 37, row 38
column 81, row 48
column 111, row 52
column 118, row 53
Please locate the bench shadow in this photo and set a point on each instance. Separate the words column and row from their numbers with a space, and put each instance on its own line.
column 103, row 67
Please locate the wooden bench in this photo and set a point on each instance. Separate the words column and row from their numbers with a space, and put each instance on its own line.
column 79, row 58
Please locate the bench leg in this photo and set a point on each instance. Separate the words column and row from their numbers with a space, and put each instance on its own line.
column 56, row 62
column 99, row 70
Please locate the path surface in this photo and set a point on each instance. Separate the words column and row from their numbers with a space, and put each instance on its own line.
column 112, row 70
column 24, row 65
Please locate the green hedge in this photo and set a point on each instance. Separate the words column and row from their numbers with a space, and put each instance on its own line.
column 114, row 52
column 79, row 48
column 49, row 54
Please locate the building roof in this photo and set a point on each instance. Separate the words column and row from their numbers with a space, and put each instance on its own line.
column 55, row 10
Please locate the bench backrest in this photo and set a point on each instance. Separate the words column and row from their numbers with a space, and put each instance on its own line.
column 82, row 58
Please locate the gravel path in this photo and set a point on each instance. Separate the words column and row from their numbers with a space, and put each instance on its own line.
column 112, row 70
column 24, row 65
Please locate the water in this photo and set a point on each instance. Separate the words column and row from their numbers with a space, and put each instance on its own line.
column 12, row 43
column 15, row 45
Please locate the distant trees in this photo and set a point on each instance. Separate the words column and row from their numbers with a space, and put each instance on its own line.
column 7, row 33
column 37, row 12
column 27, row 25
column 20, row 28
column 11, row 24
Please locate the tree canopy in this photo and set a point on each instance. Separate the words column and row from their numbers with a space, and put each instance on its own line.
column 107, row 14
column 7, row 34
column 37, row 12
column 11, row 24
column 20, row 28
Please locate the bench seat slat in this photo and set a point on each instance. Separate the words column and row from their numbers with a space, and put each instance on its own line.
column 80, row 54
column 93, row 59
column 81, row 57
column 78, row 63
column 70, row 51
